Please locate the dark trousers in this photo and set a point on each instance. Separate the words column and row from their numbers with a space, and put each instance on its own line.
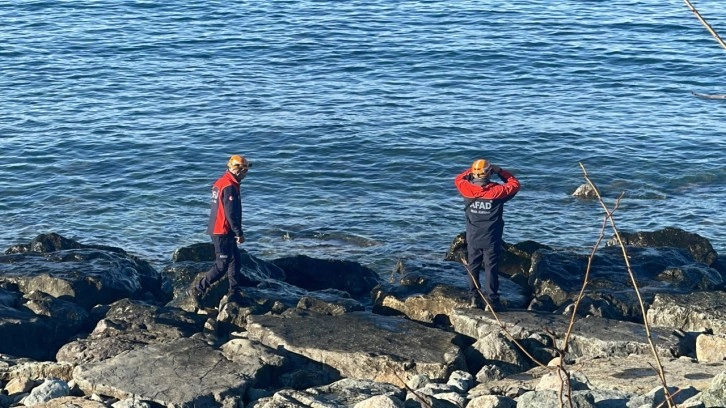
column 489, row 257
column 227, row 260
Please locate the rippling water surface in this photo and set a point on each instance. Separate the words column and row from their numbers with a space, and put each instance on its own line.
column 117, row 116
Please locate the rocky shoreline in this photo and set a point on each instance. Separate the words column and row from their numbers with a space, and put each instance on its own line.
column 93, row 326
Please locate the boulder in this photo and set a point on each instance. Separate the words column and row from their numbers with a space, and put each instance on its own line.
column 560, row 275
column 711, row 348
column 695, row 312
column 318, row 274
column 36, row 325
column 699, row 247
column 84, row 276
column 191, row 263
column 590, row 337
column 155, row 372
column 343, row 393
column 429, row 292
column 715, row 395
column 19, row 368
column 127, row 325
column 362, row 345
column 515, row 259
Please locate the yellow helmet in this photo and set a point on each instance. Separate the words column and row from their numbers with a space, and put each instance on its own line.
column 481, row 168
column 236, row 161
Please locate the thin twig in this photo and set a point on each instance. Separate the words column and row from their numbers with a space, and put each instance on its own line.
column 705, row 24
column 496, row 317
column 411, row 390
column 661, row 372
column 586, row 280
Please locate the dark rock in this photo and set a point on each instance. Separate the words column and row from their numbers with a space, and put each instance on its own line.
column 699, row 248
column 560, row 275
column 85, row 274
column 38, row 324
column 148, row 277
column 429, row 291
column 319, row 304
column 200, row 252
column 318, row 274
column 129, row 325
column 515, row 259
column 190, row 268
column 45, row 243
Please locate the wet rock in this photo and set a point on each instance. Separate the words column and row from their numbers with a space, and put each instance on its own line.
column 585, row 191
column 190, row 265
column 699, row 247
column 318, row 274
column 199, row 252
column 363, row 345
column 86, row 277
column 515, row 259
column 127, row 325
column 560, row 275
column 429, row 292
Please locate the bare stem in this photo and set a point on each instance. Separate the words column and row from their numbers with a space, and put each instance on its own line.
column 661, row 371
column 705, row 24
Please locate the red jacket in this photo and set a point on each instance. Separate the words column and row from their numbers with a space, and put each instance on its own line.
column 485, row 206
column 225, row 216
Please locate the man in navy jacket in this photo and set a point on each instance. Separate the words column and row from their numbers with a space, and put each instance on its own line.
column 484, row 205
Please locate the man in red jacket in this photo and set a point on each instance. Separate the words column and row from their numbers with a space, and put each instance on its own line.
column 484, row 206
column 225, row 228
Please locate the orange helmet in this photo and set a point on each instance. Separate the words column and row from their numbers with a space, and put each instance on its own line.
column 481, row 168
column 235, row 162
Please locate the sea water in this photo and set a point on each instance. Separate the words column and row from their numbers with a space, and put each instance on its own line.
column 116, row 118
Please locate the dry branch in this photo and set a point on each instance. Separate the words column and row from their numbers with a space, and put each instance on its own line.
column 649, row 337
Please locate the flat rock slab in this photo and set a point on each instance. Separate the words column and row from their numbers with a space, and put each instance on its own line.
column 362, row 345
column 182, row 373
column 635, row 375
column 591, row 336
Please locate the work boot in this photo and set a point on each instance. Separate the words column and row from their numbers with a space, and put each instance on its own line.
column 475, row 302
column 195, row 294
column 234, row 295
column 495, row 305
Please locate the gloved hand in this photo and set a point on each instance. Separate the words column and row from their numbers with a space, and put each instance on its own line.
column 240, row 239
column 495, row 168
